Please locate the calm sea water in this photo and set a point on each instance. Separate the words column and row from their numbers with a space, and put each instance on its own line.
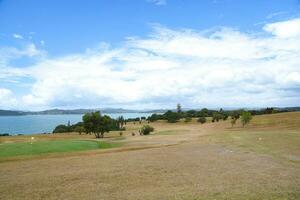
column 32, row 124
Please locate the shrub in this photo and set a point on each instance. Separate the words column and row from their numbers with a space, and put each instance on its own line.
column 188, row 119
column 202, row 120
column 146, row 130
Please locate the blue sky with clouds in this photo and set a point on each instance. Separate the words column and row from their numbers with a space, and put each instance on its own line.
column 149, row 53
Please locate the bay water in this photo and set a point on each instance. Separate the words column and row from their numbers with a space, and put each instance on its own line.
column 33, row 124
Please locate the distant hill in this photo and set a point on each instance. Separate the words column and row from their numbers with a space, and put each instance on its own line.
column 60, row 112
column 108, row 110
column 11, row 113
column 73, row 111
column 83, row 111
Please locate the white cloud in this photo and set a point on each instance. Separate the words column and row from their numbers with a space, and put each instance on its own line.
column 18, row 36
column 6, row 99
column 158, row 2
column 10, row 53
column 285, row 29
column 224, row 67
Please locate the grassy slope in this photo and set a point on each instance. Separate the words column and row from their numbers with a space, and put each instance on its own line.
column 44, row 147
column 277, row 135
column 252, row 163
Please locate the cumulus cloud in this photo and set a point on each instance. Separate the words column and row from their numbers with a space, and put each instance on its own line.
column 224, row 67
column 6, row 99
column 284, row 29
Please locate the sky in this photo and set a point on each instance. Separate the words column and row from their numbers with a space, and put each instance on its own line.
column 149, row 54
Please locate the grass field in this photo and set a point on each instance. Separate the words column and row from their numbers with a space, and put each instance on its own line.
column 188, row 161
column 44, row 147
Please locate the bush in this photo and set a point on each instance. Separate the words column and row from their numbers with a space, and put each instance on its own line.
column 202, row 120
column 188, row 119
column 61, row 129
column 146, row 130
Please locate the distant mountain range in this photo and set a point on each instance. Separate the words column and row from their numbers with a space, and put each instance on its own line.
column 107, row 110
column 75, row 111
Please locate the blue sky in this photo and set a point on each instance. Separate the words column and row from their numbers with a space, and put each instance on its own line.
column 210, row 53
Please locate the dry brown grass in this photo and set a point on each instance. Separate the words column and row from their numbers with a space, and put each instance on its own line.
column 179, row 161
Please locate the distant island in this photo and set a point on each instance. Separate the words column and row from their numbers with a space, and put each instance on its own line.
column 75, row 111
column 109, row 110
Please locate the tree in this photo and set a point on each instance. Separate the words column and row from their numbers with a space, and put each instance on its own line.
column 204, row 112
column 172, row 117
column 155, row 117
column 269, row 110
column 61, row 129
column 202, row 120
column 217, row 116
column 146, row 130
column 121, row 122
column 79, row 129
column 191, row 113
column 246, row 118
column 236, row 114
column 96, row 123
column 179, row 108
column 233, row 121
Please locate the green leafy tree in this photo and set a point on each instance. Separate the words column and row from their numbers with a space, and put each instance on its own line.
column 204, row 112
column 172, row 117
column 96, row 123
column 146, row 130
column 246, row 118
column 61, row 129
column 79, row 129
column 217, row 116
column 236, row 114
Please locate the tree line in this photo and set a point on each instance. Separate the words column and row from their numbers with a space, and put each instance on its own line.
column 216, row 115
column 97, row 124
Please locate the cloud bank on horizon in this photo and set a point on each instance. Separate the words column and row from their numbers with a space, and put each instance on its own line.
column 219, row 67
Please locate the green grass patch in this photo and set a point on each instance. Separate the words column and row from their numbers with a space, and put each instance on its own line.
column 45, row 147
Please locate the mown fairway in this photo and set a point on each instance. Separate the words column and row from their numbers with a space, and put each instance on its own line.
column 46, row 147
column 179, row 161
